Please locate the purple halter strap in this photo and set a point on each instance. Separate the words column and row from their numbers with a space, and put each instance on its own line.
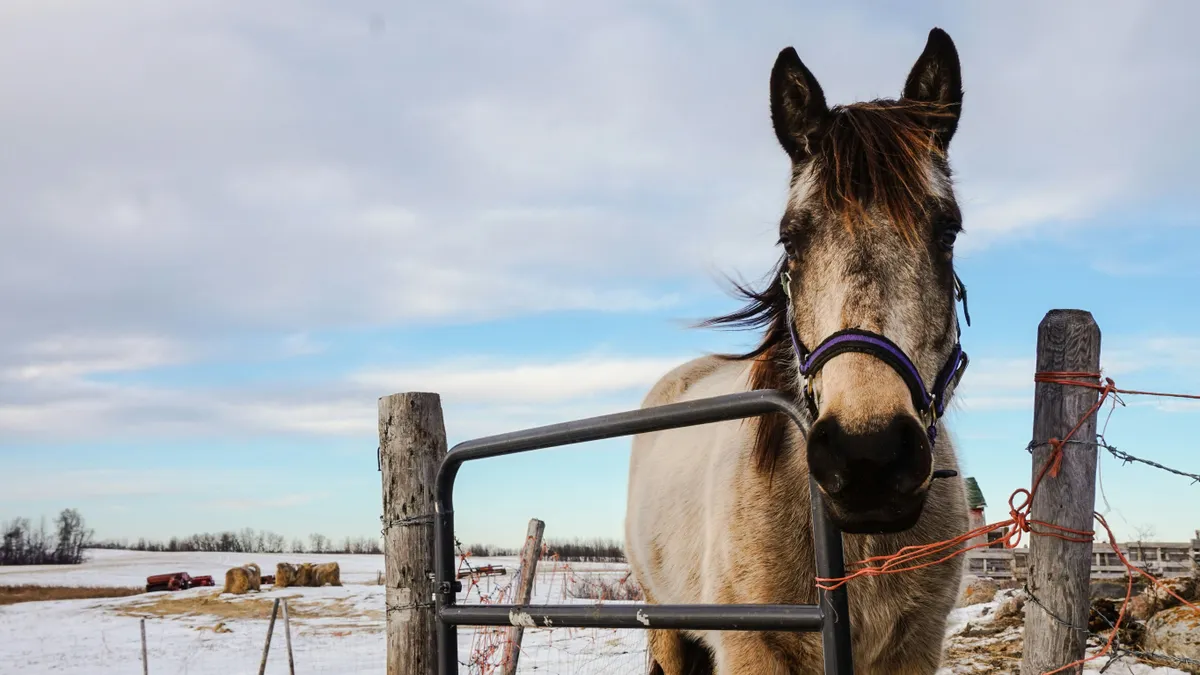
column 929, row 403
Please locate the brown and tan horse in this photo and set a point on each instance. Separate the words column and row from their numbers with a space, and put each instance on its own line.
column 720, row 513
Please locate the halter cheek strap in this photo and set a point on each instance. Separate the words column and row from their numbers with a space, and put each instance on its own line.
column 930, row 403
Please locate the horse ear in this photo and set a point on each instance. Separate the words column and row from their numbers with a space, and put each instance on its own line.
column 797, row 105
column 937, row 78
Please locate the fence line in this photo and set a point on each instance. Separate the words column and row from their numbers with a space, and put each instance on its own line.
column 1071, row 392
column 1021, row 522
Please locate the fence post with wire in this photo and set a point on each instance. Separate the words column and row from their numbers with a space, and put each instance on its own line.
column 1056, row 623
column 412, row 444
column 1057, row 511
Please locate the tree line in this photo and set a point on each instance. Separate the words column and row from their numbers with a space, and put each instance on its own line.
column 576, row 550
column 26, row 545
column 249, row 540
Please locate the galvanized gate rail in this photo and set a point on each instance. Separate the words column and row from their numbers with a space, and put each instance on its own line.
column 831, row 618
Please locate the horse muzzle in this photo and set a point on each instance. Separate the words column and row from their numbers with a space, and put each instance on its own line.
column 874, row 481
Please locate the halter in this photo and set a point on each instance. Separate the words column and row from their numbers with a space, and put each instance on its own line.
column 929, row 403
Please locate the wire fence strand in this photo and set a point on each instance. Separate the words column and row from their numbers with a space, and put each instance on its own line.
column 1020, row 506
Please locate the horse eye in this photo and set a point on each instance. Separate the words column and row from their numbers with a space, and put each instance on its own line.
column 788, row 248
column 946, row 242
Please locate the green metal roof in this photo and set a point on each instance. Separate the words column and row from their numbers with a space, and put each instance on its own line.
column 974, row 495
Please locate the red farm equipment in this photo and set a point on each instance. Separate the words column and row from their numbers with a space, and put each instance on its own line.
column 175, row 581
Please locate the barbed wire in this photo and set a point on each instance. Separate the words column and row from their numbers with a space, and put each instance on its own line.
column 1063, row 622
column 1151, row 657
column 1127, row 458
column 1123, row 456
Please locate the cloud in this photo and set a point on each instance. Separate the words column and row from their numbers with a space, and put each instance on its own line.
column 524, row 383
column 192, row 172
column 996, row 384
column 485, row 179
column 1172, row 361
column 1177, row 353
column 66, row 357
column 492, row 394
column 81, row 484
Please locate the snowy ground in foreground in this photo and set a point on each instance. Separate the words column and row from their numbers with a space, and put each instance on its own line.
column 334, row 630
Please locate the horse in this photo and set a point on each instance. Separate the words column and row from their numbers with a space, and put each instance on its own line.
column 719, row 513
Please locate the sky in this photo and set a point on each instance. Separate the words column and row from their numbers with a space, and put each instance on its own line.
column 229, row 228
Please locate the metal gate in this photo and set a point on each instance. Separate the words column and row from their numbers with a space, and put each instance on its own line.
column 831, row 618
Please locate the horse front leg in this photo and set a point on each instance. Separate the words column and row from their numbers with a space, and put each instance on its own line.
column 745, row 653
column 667, row 656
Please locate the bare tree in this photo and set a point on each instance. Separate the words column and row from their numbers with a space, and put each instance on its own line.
column 274, row 543
column 319, row 542
column 24, row 545
column 73, row 537
column 1143, row 533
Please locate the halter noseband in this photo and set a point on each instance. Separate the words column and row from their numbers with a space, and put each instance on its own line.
column 929, row 403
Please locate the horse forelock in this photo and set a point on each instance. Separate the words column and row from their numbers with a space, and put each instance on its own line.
column 879, row 163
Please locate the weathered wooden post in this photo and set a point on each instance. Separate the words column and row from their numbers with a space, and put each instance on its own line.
column 412, row 443
column 530, row 554
column 287, row 632
column 262, row 666
column 1056, row 617
column 145, row 663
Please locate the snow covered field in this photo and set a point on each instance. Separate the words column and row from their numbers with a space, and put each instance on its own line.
column 334, row 630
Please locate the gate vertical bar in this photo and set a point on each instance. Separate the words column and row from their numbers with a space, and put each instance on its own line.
column 831, row 564
column 445, row 593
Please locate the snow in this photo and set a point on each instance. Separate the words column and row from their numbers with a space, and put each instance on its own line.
column 102, row 636
column 333, row 629
column 979, row 647
column 107, row 568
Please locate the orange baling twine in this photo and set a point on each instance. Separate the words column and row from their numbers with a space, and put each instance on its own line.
column 912, row 558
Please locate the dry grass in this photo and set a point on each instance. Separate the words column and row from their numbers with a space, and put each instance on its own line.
column 601, row 588
column 211, row 604
column 10, row 595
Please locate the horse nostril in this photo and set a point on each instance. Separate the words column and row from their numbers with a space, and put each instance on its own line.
column 826, row 461
column 914, row 458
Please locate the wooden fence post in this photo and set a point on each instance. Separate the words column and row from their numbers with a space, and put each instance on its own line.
column 412, row 443
column 531, row 552
column 145, row 662
column 287, row 632
column 262, row 666
column 1056, row 614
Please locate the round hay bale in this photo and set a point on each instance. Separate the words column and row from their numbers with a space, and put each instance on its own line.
column 285, row 575
column 327, row 573
column 304, row 574
column 255, row 575
column 237, row 581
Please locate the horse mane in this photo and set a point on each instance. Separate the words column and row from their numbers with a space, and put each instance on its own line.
column 875, row 154
column 774, row 364
column 872, row 155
